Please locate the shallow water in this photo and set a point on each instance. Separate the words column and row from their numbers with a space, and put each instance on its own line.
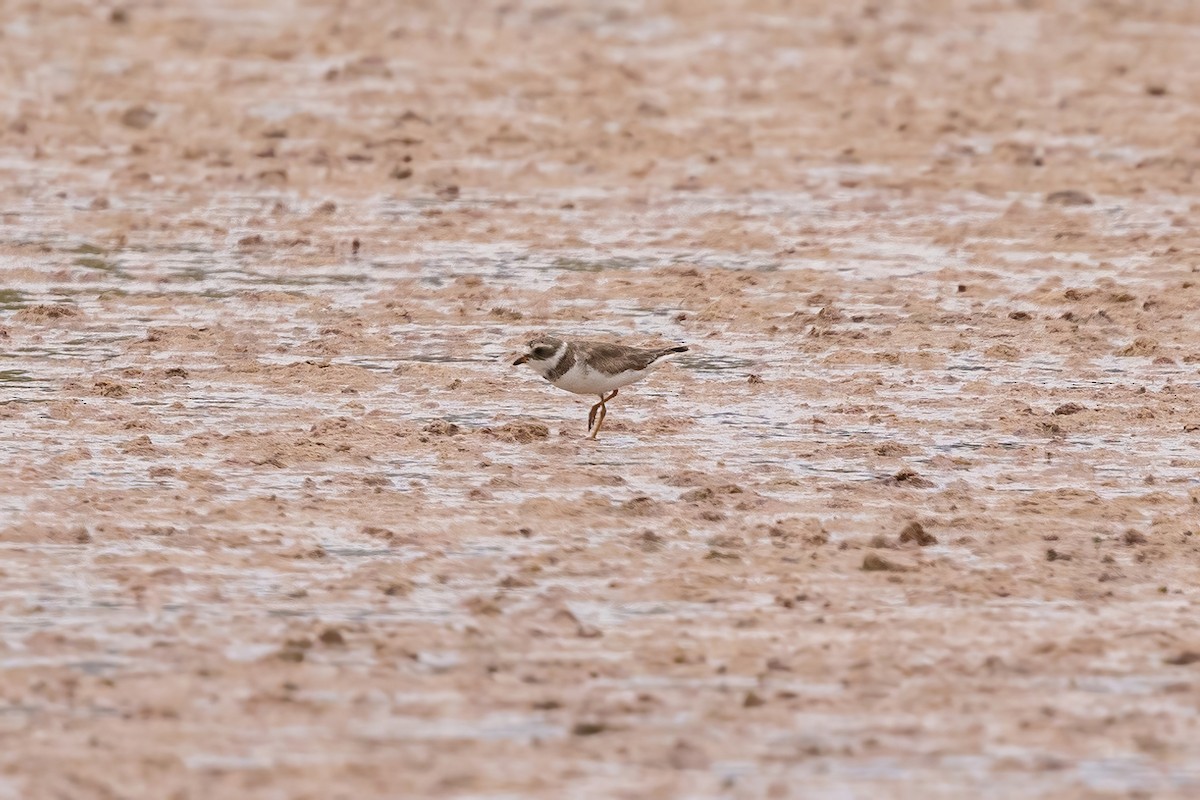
column 229, row 431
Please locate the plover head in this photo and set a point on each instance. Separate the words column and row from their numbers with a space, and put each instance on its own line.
column 541, row 353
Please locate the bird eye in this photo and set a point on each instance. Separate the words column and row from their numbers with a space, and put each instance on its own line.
column 543, row 351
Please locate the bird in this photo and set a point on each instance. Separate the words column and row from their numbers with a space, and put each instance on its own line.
column 588, row 367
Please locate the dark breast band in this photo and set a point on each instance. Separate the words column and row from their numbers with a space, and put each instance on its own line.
column 564, row 364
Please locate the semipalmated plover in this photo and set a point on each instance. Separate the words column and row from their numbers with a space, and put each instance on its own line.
column 598, row 368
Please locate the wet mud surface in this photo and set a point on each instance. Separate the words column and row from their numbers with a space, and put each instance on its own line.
column 918, row 513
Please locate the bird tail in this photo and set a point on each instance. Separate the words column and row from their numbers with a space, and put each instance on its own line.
column 664, row 354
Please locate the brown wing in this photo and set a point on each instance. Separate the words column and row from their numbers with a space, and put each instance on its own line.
column 614, row 358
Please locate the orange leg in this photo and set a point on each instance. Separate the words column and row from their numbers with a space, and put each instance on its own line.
column 603, row 411
column 599, row 422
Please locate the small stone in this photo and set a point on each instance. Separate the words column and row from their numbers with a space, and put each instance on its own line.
column 1020, row 316
column 397, row 588
column 1066, row 409
column 1004, row 352
column 727, row 541
column 910, row 477
column 1133, row 537
column 585, row 631
column 514, row 582
column 510, row 314
column 519, row 432
column 483, row 606
column 291, row 654
column 1182, row 659
column 753, row 700
column 640, row 505
column 650, row 541
column 294, row 650
column 873, row 562
column 378, row 532
column 588, row 728
column 332, row 637
column 1141, row 346
column 109, row 389
column 441, row 427
column 312, row 552
column 44, row 313
column 1070, row 197
column 138, row 117
column 915, row 532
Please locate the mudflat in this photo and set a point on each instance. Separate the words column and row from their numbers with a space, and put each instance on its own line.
column 916, row 516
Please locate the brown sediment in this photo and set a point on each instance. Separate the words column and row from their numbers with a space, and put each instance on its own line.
column 279, row 516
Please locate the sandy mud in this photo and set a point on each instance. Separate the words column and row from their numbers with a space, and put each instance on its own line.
column 916, row 517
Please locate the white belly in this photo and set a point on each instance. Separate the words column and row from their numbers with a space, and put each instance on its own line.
column 581, row 380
